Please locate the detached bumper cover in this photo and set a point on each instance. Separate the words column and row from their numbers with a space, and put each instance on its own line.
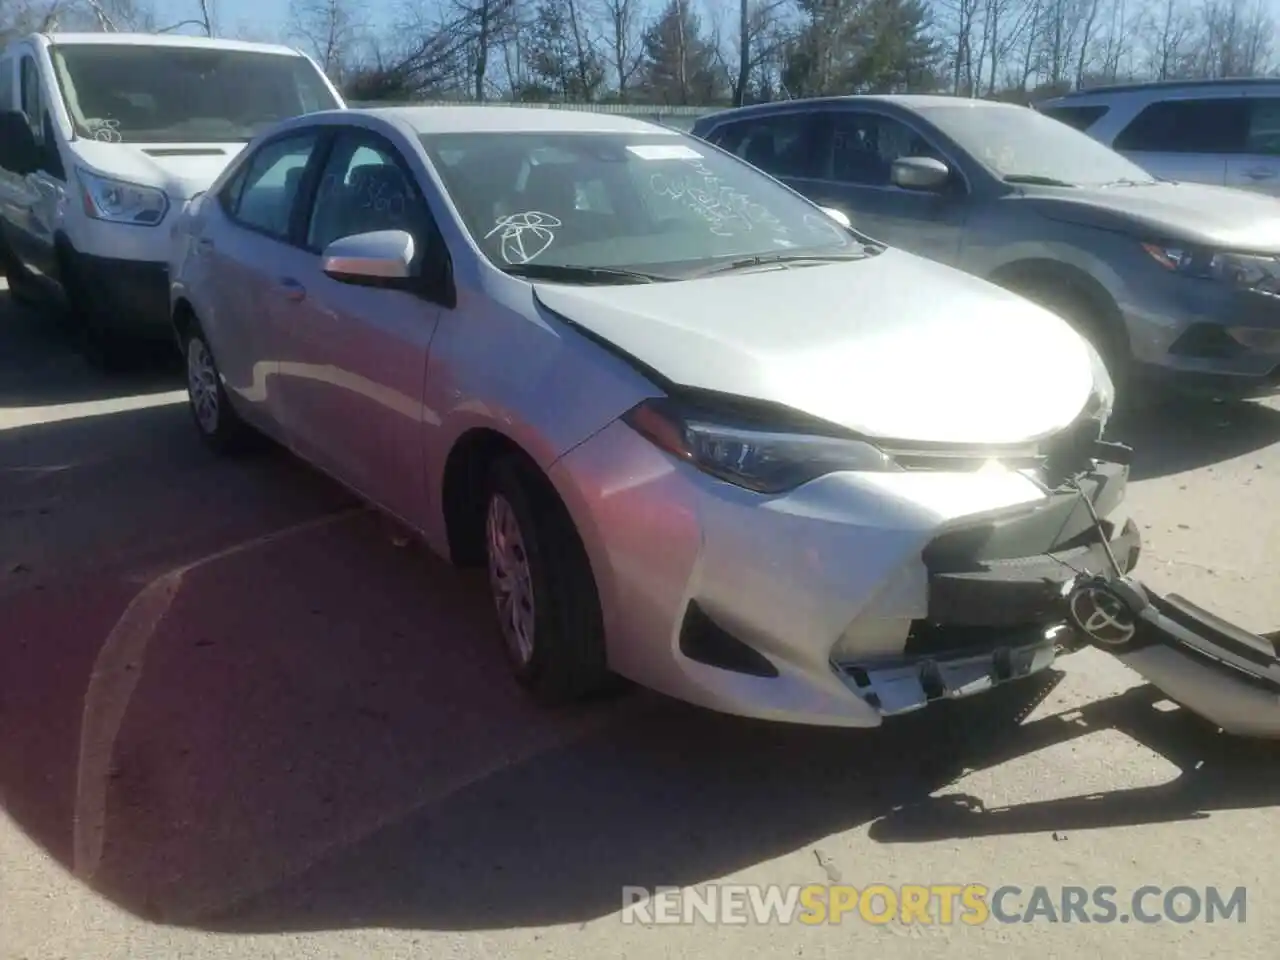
column 1213, row 668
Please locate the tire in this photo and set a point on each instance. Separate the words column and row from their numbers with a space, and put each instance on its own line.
column 544, row 594
column 220, row 427
column 105, row 348
column 1100, row 324
column 22, row 286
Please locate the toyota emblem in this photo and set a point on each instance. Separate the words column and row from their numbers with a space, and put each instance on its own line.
column 1101, row 615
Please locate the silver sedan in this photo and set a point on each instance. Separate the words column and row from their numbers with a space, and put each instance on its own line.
column 702, row 433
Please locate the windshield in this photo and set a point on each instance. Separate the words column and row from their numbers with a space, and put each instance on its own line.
column 622, row 200
column 123, row 93
column 1018, row 142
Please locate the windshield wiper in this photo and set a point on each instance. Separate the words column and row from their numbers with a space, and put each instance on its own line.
column 575, row 273
column 1125, row 182
column 768, row 259
column 1034, row 179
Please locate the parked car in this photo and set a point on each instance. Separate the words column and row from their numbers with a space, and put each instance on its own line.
column 700, row 434
column 1174, row 283
column 103, row 138
column 1222, row 132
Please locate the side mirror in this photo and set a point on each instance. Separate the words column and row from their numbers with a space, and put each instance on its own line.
column 919, row 173
column 383, row 258
column 19, row 152
column 839, row 216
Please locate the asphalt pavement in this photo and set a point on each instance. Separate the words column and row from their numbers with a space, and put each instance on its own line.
column 238, row 720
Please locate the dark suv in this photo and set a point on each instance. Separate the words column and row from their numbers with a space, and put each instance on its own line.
column 1178, row 280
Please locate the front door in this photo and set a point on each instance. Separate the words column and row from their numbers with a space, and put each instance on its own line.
column 35, row 200
column 354, row 370
column 857, row 148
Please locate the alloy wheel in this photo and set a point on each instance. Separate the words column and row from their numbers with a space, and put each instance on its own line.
column 510, row 579
column 202, row 385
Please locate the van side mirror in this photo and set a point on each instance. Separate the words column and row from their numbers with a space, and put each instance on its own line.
column 919, row 173
column 19, row 152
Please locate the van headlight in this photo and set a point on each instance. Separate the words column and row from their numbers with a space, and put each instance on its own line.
column 754, row 456
column 117, row 201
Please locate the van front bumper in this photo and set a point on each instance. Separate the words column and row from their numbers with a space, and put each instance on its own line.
column 130, row 297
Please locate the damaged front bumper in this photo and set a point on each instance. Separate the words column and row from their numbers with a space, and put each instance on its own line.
column 996, row 607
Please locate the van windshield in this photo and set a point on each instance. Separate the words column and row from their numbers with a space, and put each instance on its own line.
column 125, row 93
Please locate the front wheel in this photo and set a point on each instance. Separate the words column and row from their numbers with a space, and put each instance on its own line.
column 542, row 587
column 219, row 425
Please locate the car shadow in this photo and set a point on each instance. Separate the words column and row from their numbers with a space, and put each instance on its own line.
column 282, row 721
column 41, row 365
column 1216, row 773
column 1182, row 434
column 229, row 701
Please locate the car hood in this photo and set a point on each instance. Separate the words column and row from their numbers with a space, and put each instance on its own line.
column 893, row 347
column 180, row 169
column 1236, row 220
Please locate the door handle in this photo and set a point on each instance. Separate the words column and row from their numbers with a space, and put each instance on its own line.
column 1260, row 173
column 204, row 245
column 292, row 289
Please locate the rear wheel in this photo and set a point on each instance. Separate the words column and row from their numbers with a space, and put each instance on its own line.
column 542, row 587
column 219, row 425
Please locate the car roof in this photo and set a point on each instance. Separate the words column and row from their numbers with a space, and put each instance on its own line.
column 160, row 40
column 500, row 118
column 1164, row 86
column 907, row 101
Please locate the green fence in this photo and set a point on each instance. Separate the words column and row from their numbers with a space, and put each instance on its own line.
column 680, row 118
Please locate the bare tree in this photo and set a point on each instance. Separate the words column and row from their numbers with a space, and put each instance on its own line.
column 624, row 52
column 206, row 20
column 329, row 31
column 758, row 39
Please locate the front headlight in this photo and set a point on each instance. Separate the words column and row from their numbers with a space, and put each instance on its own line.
column 1104, row 388
column 749, row 455
column 119, row 202
column 1259, row 273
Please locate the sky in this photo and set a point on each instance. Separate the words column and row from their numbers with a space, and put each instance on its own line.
column 264, row 19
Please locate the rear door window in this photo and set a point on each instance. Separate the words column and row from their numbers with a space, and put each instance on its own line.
column 1264, row 126
column 1210, row 125
column 780, row 145
column 1078, row 116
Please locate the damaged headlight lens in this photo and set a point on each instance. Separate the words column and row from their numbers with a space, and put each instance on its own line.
column 1258, row 273
column 748, row 455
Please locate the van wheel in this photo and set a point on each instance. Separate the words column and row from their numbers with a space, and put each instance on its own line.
column 22, row 286
column 104, row 347
column 221, row 428
column 542, row 587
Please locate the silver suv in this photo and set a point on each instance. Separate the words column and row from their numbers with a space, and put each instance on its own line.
column 1223, row 132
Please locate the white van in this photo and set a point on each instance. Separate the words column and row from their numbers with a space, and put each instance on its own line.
column 103, row 139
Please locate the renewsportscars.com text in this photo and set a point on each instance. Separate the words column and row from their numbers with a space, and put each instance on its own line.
column 970, row 904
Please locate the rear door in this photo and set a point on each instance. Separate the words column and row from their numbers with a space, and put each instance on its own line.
column 1187, row 138
column 246, row 249
column 1257, row 167
column 781, row 143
